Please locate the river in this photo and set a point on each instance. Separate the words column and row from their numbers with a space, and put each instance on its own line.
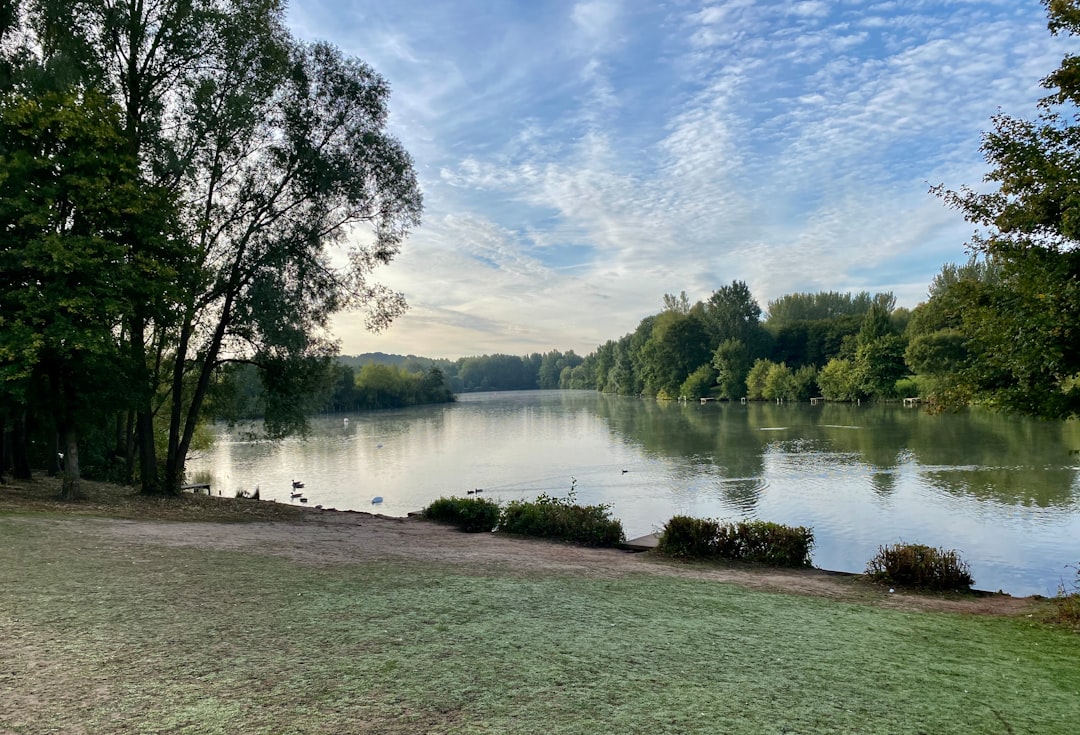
column 1004, row 491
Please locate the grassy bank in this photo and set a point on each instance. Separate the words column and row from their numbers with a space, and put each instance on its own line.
column 100, row 637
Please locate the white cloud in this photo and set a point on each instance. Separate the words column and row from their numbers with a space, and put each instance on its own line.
column 581, row 161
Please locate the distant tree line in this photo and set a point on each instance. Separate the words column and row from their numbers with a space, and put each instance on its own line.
column 550, row 370
column 842, row 346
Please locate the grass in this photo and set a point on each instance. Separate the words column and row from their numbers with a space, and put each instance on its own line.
column 100, row 637
column 113, row 501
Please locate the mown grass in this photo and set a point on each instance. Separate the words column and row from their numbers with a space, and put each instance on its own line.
column 99, row 637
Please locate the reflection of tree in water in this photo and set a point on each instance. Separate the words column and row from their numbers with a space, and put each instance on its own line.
column 989, row 456
column 717, row 438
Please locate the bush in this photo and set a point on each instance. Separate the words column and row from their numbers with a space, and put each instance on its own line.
column 564, row 519
column 758, row 541
column 916, row 565
column 472, row 515
column 693, row 538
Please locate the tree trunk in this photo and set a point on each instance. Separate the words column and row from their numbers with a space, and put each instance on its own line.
column 71, row 488
column 5, row 444
column 144, row 412
column 20, row 460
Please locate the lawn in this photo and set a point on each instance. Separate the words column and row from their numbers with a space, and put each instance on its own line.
column 100, row 637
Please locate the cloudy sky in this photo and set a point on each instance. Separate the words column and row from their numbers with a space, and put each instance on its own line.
column 581, row 159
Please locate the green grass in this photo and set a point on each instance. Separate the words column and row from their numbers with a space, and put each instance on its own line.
column 99, row 637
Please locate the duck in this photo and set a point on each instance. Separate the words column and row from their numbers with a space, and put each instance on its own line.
column 296, row 484
column 294, row 496
column 376, row 500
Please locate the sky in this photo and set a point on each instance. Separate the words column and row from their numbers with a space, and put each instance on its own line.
column 579, row 160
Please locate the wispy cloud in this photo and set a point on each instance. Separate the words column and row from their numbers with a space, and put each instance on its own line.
column 581, row 159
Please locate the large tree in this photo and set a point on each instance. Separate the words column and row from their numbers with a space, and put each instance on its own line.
column 67, row 189
column 1023, row 329
column 275, row 151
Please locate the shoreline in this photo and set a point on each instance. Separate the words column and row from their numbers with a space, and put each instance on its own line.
column 319, row 537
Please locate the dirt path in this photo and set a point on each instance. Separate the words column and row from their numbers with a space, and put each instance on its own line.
column 323, row 538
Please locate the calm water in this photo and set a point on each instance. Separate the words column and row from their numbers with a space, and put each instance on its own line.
column 1003, row 491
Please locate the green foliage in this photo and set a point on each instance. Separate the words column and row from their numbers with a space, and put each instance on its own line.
column 804, row 383
column 839, row 381
column 756, row 377
column 907, row 388
column 677, row 345
column 916, row 565
column 692, row 538
column 731, row 360
column 733, row 313
column 222, row 162
column 562, row 519
column 699, row 384
column 879, row 364
column 1023, row 329
column 472, row 515
column 779, row 384
column 755, row 541
column 823, row 306
column 812, row 342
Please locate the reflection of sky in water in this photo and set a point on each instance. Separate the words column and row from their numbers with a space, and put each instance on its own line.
column 857, row 485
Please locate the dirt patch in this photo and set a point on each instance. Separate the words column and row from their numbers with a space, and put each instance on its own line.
column 329, row 538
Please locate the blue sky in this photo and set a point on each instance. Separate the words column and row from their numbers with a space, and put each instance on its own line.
column 581, row 159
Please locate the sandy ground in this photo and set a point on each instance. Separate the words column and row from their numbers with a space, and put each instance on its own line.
column 326, row 537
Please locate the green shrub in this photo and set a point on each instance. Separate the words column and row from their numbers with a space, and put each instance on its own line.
column 694, row 538
column 907, row 388
column 758, row 541
column 564, row 519
column 473, row 515
column 916, row 565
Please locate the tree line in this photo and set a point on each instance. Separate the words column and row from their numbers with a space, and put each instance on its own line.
column 173, row 178
column 839, row 345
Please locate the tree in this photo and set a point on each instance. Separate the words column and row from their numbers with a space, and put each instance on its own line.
column 879, row 354
column 825, row 305
column 839, row 381
column 733, row 313
column 779, row 383
column 699, row 383
column 678, row 304
column 67, row 188
column 756, row 377
column 677, row 346
column 275, row 151
column 731, row 360
column 1024, row 330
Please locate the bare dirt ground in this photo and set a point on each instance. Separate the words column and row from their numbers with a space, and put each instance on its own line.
column 330, row 537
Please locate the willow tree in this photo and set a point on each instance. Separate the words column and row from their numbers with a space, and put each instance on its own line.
column 289, row 189
column 1023, row 328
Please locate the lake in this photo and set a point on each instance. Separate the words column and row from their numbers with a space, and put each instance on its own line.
column 1003, row 491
